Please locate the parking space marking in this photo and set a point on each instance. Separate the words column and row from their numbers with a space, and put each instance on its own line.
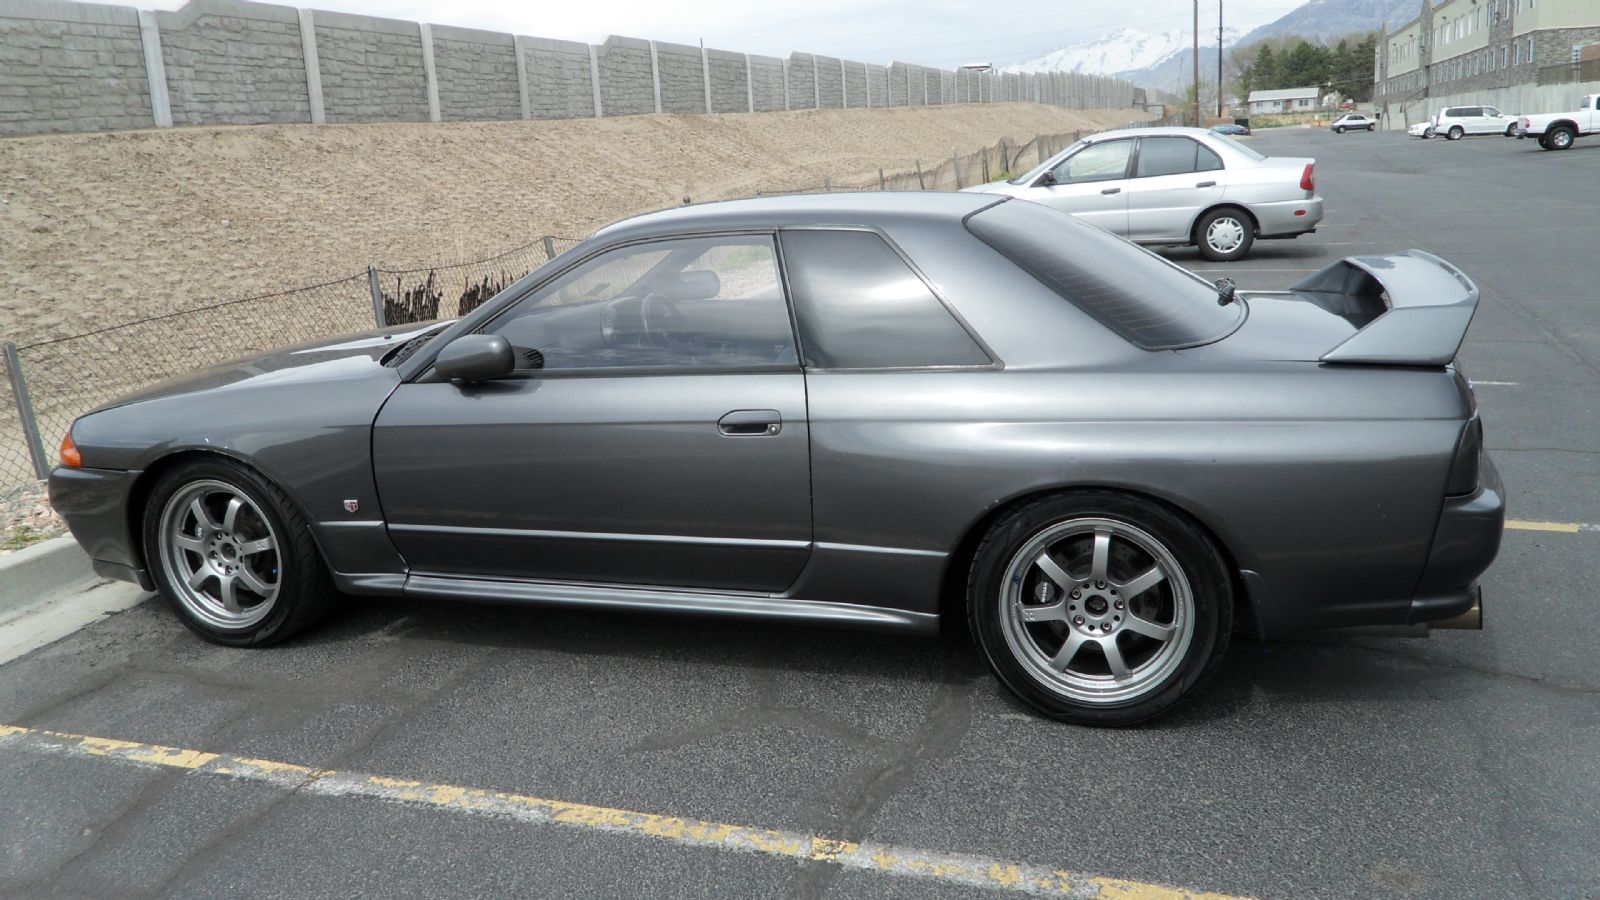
column 1562, row 527
column 950, row 868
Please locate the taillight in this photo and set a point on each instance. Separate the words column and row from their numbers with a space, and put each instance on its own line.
column 1307, row 182
column 1527, row 123
column 70, row 457
column 1464, row 469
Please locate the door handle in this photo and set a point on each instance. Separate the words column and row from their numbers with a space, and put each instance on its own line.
column 751, row 423
column 1112, row 191
column 1206, row 184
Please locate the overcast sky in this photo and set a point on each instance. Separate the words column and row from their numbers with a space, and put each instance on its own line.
column 941, row 33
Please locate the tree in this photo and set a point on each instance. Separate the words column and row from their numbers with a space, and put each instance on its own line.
column 1264, row 73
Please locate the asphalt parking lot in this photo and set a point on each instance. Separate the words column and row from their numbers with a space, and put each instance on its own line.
column 1464, row 765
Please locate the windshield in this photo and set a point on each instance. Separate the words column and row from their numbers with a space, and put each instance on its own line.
column 1144, row 298
column 1050, row 163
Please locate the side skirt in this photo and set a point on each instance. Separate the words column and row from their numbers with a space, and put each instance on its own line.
column 656, row 599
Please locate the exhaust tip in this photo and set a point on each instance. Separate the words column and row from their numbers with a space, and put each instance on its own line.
column 1471, row 620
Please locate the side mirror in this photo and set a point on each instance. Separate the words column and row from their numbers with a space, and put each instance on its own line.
column 475, row 357
column 1048, row 178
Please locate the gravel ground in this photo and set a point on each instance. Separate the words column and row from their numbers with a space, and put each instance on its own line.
column 26, row 518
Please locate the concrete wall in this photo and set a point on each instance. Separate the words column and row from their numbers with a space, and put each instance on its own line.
column 477, row 73
column 766, row 75
column 559, row 85
column 71, row 67
column 729, row 92
column 372, row 69
column 228, row 68
column 68, row 66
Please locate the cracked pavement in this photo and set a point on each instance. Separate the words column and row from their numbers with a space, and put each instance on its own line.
column 1333, row 766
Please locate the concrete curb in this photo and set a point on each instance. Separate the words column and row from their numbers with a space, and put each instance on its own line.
column 45, row 569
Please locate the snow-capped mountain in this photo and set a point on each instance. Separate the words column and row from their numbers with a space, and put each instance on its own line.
column 1120, row 51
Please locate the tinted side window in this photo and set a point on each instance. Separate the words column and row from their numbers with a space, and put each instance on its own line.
column 860, row 306
column 690, row 303
column 1166, row 156
column 1208, row 160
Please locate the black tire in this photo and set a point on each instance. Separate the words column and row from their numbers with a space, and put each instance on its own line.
column 1544, row 142
column 304, row 590
column 1560, row 138
column 1247, row 234
column 1511, row 130
column 1339, row 130
column 1208, row 585
column 1455, row 133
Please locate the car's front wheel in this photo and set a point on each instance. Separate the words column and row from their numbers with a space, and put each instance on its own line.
column 1511, row 130
column 1100, row 608
column 1339, row 130
column 232, row 555
column 1225, row 235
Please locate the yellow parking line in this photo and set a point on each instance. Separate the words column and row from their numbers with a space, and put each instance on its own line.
column 950, row 868
column 1563, row 527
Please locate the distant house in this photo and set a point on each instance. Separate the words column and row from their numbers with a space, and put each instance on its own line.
column 1286, row 100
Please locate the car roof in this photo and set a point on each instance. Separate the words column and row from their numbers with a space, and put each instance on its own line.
column 1157, row 131
column 860, row 209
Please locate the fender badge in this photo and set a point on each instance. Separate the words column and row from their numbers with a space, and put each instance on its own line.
column 352, row 505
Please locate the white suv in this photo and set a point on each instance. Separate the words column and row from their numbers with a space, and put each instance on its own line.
column 1456, row 122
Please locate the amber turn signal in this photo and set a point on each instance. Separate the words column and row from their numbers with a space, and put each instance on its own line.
column 70, row 457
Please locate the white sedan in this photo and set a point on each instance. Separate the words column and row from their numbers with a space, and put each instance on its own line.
column 1176, row 186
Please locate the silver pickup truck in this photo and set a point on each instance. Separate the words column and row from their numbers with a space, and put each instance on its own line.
column 1557, row 131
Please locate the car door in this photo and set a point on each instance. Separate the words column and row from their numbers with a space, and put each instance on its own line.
column 1091, row 183
column 1175, row 178
column 1494, row 121
column 654, row 433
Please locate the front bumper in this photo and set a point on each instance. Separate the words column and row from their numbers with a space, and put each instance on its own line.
column 94, row 503
column 1464, row 545
column 1289, row 218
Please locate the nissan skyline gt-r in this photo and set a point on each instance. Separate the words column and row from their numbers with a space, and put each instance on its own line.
column 877, row 410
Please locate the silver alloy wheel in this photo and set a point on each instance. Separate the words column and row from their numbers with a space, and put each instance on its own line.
column 1561, row 139
column 1099, row 582
column 1224, row 235
column 220, row 555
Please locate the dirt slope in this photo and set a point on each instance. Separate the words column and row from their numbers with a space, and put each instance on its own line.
column 101, row 229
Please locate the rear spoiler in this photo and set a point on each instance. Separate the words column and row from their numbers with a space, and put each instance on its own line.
column 1429, row 304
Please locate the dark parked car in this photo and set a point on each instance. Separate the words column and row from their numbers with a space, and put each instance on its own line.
column 1232, row 130
column 883, row 410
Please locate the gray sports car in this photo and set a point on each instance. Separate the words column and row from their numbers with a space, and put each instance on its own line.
column 889, row 410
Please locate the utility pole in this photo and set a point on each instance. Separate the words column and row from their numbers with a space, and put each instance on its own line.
column 1219, row 59
column 1197, row 122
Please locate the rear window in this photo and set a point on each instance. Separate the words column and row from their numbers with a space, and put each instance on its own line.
column 1152, row 303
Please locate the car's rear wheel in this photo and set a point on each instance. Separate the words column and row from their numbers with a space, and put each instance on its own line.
column 1225, row 234
column 1560, row 138
column 233, row 556
column 1455, row 133
column 1099, row 608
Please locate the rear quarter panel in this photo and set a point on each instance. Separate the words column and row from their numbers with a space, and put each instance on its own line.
column 1327, row 482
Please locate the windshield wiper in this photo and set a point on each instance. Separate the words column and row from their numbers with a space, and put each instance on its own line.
column 401, row 353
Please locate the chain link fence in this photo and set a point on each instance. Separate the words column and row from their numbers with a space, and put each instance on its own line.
column 52, row 382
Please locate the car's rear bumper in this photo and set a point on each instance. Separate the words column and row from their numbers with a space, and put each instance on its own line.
column 1286, row 219
column 94, row 504
column 1464, row 545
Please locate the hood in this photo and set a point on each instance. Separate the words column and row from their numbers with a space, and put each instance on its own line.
column 995, row 187
column 344, row 357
